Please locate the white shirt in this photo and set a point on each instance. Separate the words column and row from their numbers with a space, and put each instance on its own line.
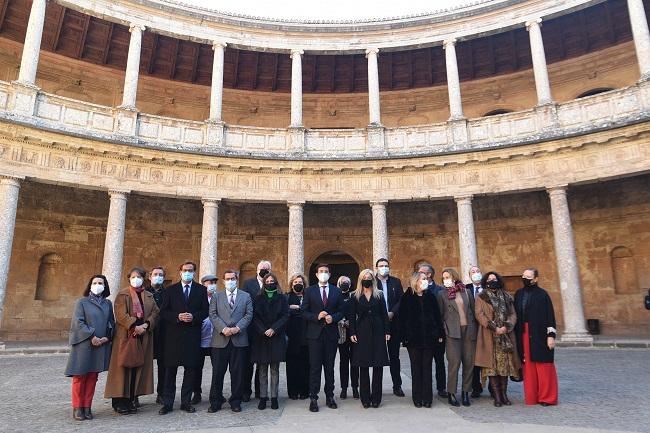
column 260, row 282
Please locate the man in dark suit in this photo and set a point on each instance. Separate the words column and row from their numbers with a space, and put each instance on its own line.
column 252, row 286
column 392, row 289
column 475, row 288
column 322, row 308
column 438, row 348
column 185, row 306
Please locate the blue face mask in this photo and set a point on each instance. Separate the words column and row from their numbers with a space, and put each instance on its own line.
column 187, row 276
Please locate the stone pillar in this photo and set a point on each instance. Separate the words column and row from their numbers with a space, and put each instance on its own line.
column 9, row 189
column 132, row 67
column 209, row 233
column 641, row 36
column 567, row 267
column 374, row 110
column 296, row 247
column 32, row 46
column 114, row 244
column 296, row 88
column 453, row 80
column 466, row 236
column 542, row 83
column 379, row 231
column 216, row 90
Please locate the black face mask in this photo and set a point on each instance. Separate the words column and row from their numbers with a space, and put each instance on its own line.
column 271, row 287
column 345, row 287
column 493, row 285
column 527, row 282
column 263, row 273
column 298, row 288
column 366, row 283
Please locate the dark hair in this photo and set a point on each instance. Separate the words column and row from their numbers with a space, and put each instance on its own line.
column 158, row 267
column 187, row 262
column 381, row 260
column 277, row 282
column 323, row 265
column 534, row 271
column 231, row 271
column 499, row 279
column 107, row 291
column 426, row 265
column 137, row 269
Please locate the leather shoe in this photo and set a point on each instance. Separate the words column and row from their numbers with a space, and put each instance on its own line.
column 542, row 403
column 355, row 393
column 262, row 404
column 88, row 413
column 188, row 408
column 375, row 404
column 236, row 408
column 159, row 400
column 331, row 403
column 451, row 398
column 427, row 404
column 397, row 390
column 122, row 410
column 344, row 393
column 313, row 405
column 442, row 393
column 365, row 405
column 417, row 404
column 214, row 408
column 136, row 402
column 165, row 410
column 78, row 414
column 274, row 403
column 465, row 398
column 196, row 399
column 246, row 398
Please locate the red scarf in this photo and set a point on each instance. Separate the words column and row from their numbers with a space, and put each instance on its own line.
column 135, row 300
column 458, row 287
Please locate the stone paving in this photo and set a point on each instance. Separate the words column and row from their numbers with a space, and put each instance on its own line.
column 600, row 390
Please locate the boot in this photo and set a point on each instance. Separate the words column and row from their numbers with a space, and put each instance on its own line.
column 504, row 391
column 355, row 392
column 274, row 403
column 88, row 413
column 78, row 414
column 494, row 386
column 262, row 404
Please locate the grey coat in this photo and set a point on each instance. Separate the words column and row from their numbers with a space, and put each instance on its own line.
column 222, row 316
column 90, row 319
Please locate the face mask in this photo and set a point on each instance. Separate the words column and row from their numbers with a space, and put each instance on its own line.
column 448, row 283
column 187, row 276
column 298, row 288
column 157, row 280
column 476, row 278
column 424, row 284
column 136, row 282
column 527, row 282
column 366, row 284
column 231, row 285
column 271, row 287
column 323, row 277
column 97, row 289
column 493, row 285
column 345, row 287
column 263, row 273
column 212, row 288
column 383, row 270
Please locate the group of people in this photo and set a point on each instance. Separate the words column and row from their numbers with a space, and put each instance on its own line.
column 249, row 329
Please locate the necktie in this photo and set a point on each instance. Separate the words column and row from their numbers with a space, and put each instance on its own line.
column 187, row 293
column 232, row 300
column 324, row 297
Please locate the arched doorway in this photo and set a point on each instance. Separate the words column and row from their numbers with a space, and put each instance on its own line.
column 340, row 262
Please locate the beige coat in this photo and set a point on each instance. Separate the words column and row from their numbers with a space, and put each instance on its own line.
column 118, row 383
column 485, row 342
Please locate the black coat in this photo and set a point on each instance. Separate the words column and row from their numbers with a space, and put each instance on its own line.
column 296, row 326
column 312, row 304
column 420, row 320
column 159, row 330
column 347, row 314
column 395, row 291
column 269, row 314
column 182, row 340
column 540, row 317
column 252, row 287
column 369, row 322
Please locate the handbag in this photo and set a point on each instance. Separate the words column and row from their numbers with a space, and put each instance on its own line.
column 130, row 354
column 342, row 331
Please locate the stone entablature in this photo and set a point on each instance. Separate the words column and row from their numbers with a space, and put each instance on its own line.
column 553, row 121
column 260, row 34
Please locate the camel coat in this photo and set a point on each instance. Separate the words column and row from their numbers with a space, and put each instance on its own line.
column 118, row 383
column 485, row 342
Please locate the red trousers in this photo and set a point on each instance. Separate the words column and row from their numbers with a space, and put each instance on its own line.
column 83, row 389
column 540, row 378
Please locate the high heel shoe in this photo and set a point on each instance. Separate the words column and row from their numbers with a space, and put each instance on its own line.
column 451, row 398
column 504, row 391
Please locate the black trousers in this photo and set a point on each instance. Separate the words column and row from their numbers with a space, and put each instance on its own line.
column 249, row 368
column 421, row 374
column 298, row 372
column 439, row 358
column 160, row 387
column 322, row 353
column 233, row 358
column 477, row 386
column 169, row 393
column 367, row 395
column 393, row 355
column 347, row 372
column 198, row 377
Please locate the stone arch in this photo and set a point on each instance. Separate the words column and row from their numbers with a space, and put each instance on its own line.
column 594, row 91
column 247, row 270
column 497, row 111
column 624, row 271
column 341, row 263
column 50, row 271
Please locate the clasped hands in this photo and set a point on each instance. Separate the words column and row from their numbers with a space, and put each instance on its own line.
column 325, row 315
column 185, row 317
column 98, row 341
column 228, row 331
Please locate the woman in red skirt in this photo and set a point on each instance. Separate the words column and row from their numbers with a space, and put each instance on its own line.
column 535, row 330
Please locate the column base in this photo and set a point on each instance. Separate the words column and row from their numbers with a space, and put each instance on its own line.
column 23, row 98
column 547, row 118
column 457, row 134
column 376, row 140
column 296, row 138
column 577, row 338
column 127, row 121
column 216, row 133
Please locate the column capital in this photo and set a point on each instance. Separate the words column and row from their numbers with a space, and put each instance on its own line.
column 448, row 42
column 139, row 26
column 218, row 44
column 378, row 203
column 11, row 180
column 210, row 201
column 296, row 52
column 119, row 194
column 535, row 21
column 293, row 204
column 462, row 199
column 372, row 51
column 557, row 189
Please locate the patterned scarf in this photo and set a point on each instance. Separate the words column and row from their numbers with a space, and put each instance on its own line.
column 500, row 300
column 135, row 300
column 451, row 291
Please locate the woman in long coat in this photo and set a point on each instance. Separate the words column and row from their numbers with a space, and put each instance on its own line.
column 369, row 329
column 270, row 316
column 136, row 314
column 297, row 365
column 496, row 347
column 91, row 331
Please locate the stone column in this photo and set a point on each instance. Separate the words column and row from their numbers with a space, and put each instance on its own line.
column 216, row 90
column 379, row 231
column 641, row 36
column 32, row 46
column 453, row 80
column 296, row 246
column 296, row 88
column 466, row 236
column 132, row 67
column 9, row 189
column 567, row 267
column 209, row 233
column 114, row 244
column 542, row 83
column 374, row 110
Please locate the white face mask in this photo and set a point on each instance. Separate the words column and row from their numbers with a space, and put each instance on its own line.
column 136, row 282
column 476, row 278
column 157, row 280
column 323, row 277
column 383, row 270
column 448, row 282
column 97, row 289
column 424, row 284
column 212, row 288
column 231, row 285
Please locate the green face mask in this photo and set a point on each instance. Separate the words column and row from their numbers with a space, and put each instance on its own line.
column 270, row 290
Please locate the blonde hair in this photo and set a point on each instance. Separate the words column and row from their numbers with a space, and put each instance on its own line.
column 415, row 279
column 359, row 291
column 454, row 274
column 293, row 278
